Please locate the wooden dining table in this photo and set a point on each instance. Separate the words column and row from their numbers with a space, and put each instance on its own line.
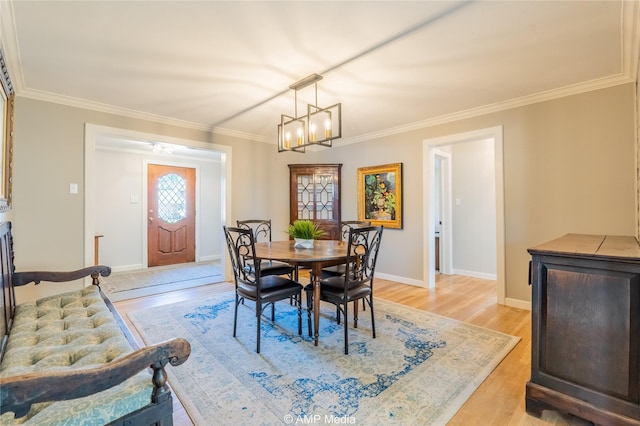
column 324, row 253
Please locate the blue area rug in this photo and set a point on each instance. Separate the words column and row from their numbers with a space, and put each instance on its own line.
column 419, row 369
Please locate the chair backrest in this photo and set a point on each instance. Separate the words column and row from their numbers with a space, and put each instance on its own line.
column 261, row 229
column 362, row 254
column 346, row 225
column 241, row 247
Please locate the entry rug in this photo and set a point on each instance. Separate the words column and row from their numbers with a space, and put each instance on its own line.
column 419, row 370
column 132, row 280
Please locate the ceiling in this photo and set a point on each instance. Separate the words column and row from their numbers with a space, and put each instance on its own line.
column 395, row 66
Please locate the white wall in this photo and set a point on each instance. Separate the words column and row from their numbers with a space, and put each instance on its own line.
column 120, row 202
column 474, row 209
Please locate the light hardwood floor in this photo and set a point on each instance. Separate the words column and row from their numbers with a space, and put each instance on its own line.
column 498, row 401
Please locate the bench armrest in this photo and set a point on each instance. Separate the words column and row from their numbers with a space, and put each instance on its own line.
column 18, row 393
column 22, row 278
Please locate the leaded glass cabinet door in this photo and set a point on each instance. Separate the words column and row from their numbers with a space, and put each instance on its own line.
column 171, row 215
column 315, row 195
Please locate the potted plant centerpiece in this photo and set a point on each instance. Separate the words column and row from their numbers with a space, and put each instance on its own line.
column 304, row 232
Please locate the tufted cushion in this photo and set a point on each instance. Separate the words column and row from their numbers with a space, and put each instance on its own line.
column 71, row 331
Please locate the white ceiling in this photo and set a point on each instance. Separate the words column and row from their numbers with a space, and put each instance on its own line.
column 394, row 66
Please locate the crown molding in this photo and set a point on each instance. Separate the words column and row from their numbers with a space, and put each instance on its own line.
column 110, row 109
column 630, row 59
column 575, row 89
column 448, row 118
column 244, row 135
column 495, row 107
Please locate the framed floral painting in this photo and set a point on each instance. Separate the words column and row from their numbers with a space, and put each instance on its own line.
column 380, row 195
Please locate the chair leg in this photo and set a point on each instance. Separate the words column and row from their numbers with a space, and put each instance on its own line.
column 258, row 316
column 309, row 309
column 355, row 314
column 273, row 311
column 235, row 316
column 346, row 330
column 373, row 323
column 299, row 299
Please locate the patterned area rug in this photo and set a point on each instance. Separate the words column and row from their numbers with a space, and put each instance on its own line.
column 419, row 369
column 132, row 280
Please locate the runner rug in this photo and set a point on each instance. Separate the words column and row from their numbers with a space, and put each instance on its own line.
column 420, row 368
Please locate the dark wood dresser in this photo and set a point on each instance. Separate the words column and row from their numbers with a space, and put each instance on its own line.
column 585, row 337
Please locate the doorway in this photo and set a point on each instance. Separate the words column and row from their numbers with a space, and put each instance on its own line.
column 443, row 221
column 171, row 211
column 495, row 135
column 130, row 195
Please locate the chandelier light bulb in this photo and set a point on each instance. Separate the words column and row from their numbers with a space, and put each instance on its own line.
column 312, row 135
column 299, row 136
column 327, row 128
column 287, row 140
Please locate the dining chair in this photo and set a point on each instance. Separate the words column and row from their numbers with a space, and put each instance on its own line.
column 250, row 284
column 261, row 229
column 357, row 281
column 338, row 270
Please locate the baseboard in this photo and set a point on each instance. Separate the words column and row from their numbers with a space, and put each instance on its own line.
column 517, row 303
column 402, row 280
column 475, row 274
column 126, row 268
column 210, row 258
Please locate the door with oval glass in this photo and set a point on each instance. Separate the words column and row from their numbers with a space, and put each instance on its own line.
column 171, row 215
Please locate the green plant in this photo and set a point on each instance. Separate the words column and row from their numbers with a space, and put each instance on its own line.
column 305, row 229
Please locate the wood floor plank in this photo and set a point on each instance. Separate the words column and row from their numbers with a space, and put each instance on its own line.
column 500, row 398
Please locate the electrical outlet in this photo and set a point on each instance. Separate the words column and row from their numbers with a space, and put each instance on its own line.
column 73, row 188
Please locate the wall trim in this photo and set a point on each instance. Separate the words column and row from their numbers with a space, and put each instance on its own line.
column 517, row 303
column 401, row 280
column 475, row 274
column 428, row 145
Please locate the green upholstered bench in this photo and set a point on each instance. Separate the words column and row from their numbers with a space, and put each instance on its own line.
column 69, row 358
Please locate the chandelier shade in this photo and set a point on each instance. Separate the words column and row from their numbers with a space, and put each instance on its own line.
column 320, row 126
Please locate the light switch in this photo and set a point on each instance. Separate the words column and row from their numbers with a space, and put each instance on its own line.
column 134, row 199
column 73, row 188
column 458, row 201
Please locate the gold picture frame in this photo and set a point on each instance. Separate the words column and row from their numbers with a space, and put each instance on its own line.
column 7, row 99
column 380, row 195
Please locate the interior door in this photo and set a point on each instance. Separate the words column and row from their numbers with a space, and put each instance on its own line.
column 171, row 232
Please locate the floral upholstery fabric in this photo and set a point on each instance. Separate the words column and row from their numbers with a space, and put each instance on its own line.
column 65, row 332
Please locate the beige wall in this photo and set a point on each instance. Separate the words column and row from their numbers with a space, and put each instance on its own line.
column 569, row 166
column 48, row 222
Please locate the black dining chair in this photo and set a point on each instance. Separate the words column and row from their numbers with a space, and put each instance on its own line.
column 261, row 229
column 357, row 281
column 338, row 270
column 250, row 284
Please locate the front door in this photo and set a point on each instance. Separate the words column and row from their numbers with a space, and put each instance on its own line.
column 171, row 215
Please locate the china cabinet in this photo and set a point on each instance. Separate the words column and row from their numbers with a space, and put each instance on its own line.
column 315, row 195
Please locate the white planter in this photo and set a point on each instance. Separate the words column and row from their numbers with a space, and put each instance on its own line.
column 302, row 243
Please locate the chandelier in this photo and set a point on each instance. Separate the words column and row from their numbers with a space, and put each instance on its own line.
column 320, row 126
